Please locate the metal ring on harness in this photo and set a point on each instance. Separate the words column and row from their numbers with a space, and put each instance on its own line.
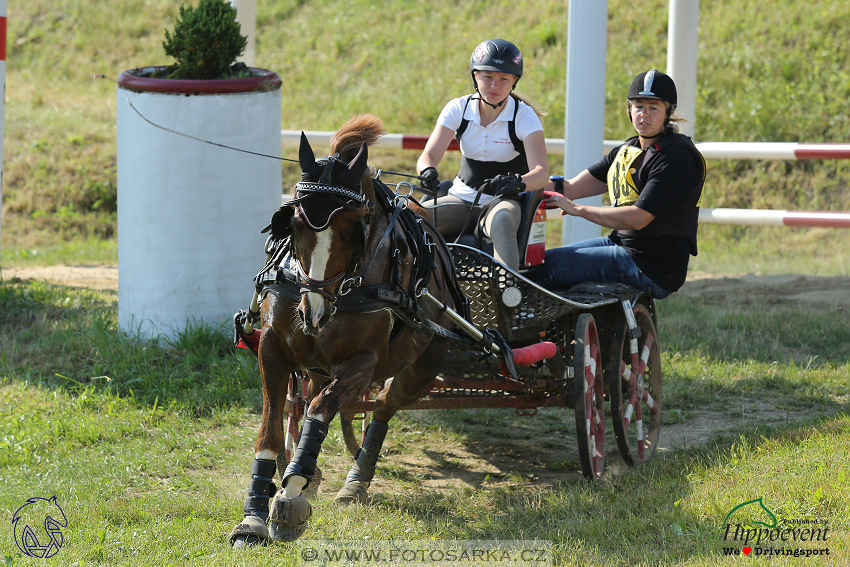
column 350, row 284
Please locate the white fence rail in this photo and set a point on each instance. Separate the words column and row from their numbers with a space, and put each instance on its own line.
column 710, row 150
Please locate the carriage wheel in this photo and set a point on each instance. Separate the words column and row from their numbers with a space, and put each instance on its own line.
column 291, row 425
column 352, row 440
column 589, row 398
column 634, row 375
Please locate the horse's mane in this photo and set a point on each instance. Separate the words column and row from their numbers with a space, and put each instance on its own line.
column 358, row 129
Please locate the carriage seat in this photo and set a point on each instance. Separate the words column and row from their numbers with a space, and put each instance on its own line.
column 529, row 202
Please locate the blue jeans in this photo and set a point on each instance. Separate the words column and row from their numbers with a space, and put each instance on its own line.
column 594, row 260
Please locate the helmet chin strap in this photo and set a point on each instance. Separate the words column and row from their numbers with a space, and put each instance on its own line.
column 658, row 135
column 484, row 100
column 650, row 137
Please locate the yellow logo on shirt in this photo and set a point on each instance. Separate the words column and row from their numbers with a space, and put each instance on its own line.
column 621, row 185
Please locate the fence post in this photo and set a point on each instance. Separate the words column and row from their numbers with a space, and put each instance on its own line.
column 584, row 115
column 2, row 95
column 246, row 15
column 682, row 52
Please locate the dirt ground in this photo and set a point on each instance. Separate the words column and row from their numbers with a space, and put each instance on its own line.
column 93, row 277
column 443, row 467
column 818, row 292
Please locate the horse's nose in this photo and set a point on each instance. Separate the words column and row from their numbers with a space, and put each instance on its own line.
column 320, row 316
column 313, row 319
column 323, row 320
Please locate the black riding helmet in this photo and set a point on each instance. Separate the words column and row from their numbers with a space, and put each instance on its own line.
column 497, row 55
column 654, row 84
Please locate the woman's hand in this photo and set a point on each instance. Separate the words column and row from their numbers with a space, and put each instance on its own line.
column 566, row 205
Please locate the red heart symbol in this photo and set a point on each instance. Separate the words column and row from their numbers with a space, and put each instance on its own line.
column 747, row 550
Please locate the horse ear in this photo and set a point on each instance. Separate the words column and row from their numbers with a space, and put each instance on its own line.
column 357, row 166
column 281, row 225
column 306, row 157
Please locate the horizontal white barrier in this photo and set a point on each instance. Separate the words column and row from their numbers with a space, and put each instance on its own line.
column 710, row 150
column 759, row 217
column 766, row 217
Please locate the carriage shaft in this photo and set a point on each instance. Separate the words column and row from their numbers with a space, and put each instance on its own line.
column 462, row 323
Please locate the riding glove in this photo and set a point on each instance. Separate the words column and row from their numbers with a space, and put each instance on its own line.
column 508, row 185
column 429, row 180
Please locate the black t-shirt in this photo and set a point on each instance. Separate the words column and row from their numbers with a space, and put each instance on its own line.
column 669, row 180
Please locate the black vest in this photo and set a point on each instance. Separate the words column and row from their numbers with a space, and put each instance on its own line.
column 683, row 223
column 474, row 173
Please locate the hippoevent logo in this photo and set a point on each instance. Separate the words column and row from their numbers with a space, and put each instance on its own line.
column 759, row 533
column 26, row 524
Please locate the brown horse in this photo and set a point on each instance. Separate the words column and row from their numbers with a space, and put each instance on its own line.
column 345, row 236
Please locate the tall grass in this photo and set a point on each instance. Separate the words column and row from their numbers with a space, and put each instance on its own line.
column 57, row 337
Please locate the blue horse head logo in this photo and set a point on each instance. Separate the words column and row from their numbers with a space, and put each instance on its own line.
column 32, row 513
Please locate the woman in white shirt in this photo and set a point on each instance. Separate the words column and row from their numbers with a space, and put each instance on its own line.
column 502, row 143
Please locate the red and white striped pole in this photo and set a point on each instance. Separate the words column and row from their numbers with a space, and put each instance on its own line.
column 710, row 150
column 775, row 217
column 2, row 96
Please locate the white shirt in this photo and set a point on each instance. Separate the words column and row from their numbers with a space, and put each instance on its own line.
column 490, row 143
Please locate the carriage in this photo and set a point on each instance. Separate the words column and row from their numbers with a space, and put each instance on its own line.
column 464, row 330
column 604, row 348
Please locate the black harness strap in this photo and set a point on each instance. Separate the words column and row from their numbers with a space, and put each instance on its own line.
column 280, row 275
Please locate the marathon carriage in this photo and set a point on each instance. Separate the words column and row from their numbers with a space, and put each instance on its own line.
column 576, row 348
column 467, row 332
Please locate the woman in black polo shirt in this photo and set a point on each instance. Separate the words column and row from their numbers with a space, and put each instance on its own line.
column 654, row 181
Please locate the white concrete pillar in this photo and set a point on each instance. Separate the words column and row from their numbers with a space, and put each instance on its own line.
column 584, row 121
column 246, row 15
column 2, row 95
column 682, row 51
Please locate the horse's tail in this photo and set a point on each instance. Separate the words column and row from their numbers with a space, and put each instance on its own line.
column 358, row 129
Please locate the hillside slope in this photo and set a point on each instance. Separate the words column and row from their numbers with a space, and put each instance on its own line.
column 780, row 73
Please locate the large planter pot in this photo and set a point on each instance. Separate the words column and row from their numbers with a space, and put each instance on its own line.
column 189, row 212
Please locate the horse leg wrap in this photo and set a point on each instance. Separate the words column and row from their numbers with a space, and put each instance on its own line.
column 367, row 457
column 303, row 462
column 261, row 488
column 252, row 529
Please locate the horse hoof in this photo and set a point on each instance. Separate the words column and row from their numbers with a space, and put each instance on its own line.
column 249, row 532
column 354, row 492
column 288, row 519
column 245, row 542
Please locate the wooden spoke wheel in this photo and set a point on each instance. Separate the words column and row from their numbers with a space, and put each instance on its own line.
column 589, row 398
column 291, row 424
column 634, row 384
column 352, row 439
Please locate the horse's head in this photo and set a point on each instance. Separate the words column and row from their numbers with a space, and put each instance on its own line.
column 328, row 226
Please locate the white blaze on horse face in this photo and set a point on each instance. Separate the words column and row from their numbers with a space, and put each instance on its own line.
column 318, row 267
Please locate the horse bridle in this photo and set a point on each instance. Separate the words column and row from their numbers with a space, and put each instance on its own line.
column 345, row 197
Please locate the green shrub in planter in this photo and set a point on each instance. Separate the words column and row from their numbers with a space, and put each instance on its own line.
column 206, row 42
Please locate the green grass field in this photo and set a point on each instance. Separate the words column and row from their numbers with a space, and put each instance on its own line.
column 148, row 445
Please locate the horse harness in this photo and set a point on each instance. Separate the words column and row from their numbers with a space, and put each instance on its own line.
column 318, row 202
